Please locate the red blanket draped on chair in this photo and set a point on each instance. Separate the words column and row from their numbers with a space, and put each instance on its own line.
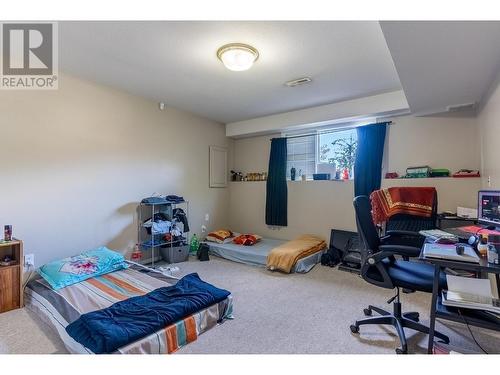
column 417, row 201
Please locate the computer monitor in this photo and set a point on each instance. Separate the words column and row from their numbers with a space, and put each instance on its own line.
column 488, row 208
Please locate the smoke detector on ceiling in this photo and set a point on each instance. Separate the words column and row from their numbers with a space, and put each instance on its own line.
column 298, row 82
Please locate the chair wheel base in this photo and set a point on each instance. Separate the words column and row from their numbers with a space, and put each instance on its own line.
column 367, row 312
column 401, row 351
column 354, row 328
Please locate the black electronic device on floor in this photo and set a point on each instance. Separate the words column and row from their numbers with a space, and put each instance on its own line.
column 343, row 250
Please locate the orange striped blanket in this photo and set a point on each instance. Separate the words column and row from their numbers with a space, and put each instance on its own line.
column 284, row 257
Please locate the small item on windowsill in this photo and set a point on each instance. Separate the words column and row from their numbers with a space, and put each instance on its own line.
column 418, row 172
column 292, row 174
column 345, row 174
column 304, row 177
column 391, row 175
column 440, row 172
column 236, row 176
column 467, row 173
column 321, row 176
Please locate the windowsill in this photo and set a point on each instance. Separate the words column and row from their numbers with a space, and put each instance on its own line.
column 297, row 181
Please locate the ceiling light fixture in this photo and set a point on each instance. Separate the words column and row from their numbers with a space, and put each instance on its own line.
column 237, row 56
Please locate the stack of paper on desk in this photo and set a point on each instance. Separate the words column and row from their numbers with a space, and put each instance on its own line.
column 437, row 234
column 470, row 293
column 449, row 252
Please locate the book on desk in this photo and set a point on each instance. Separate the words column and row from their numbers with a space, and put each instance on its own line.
column 471, row 293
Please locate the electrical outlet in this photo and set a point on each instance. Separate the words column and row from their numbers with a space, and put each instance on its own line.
column 29, row 262
column 203, row 228
column 489, row 181
column 207, row 217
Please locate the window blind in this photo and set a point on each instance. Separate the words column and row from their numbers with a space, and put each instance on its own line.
column 301, row 154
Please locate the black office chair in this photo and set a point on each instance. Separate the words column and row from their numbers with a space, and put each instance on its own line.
column 380, row 267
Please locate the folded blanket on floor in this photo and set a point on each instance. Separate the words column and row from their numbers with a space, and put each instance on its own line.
column 416, row 201
column 106, row 330
column 284, row 257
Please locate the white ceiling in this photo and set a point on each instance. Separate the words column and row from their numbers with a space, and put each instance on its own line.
column 443, row 63
column 176, row 62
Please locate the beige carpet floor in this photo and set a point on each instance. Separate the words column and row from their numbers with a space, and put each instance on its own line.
column 276, row 313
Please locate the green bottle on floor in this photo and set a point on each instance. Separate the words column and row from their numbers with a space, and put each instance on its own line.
column 194, row 244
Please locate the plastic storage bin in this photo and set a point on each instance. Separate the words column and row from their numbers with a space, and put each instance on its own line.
column 175, row 254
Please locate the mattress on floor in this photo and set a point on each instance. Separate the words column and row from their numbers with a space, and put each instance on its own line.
column 257, row 254
column 62, row 307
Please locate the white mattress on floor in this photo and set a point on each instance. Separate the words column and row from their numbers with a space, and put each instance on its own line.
column 256, row 255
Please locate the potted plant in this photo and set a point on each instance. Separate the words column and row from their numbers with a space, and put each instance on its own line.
column 345, row 155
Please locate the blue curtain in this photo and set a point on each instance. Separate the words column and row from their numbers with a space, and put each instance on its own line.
column 368, row 164
column 277, row 193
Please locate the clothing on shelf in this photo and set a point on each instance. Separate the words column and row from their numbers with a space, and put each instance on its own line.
column 160, row 224
column 175, row 231
column 154, row 200
column 174, row 199
column 181, row 216
column 161, row 227
column 162, row 199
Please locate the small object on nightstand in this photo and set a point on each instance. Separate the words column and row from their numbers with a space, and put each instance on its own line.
column 7, row 233
column 7, row 261
column 460, row 249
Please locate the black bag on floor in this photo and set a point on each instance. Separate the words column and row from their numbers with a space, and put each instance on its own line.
column 344, row 248
column 202, row 253
column 333, row 255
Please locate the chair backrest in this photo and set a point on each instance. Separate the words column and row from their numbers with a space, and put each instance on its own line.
column 366, row 227
column 371, row 242
column 413, row 223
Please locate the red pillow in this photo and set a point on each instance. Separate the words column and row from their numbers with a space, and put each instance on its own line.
column 247, row 239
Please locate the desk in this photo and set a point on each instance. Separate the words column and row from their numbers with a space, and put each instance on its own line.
column 452, row 221
column 438, row 310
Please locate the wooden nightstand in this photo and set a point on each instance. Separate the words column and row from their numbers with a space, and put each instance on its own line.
column 11, row 290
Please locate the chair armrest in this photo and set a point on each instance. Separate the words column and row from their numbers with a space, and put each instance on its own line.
column 405, row 251
column 403, row 233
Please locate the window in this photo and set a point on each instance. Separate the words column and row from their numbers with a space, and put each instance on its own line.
column 337, row 149
column 301, row 155
column 325, row 151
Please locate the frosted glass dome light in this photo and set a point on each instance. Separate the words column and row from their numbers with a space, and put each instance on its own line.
column 237, row 57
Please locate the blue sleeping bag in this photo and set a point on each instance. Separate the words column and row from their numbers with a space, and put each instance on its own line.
column 124, row 322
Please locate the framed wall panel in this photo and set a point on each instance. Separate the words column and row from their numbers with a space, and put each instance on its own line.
column 218, row 167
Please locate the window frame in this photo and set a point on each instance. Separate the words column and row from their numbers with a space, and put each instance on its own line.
column 316, row 132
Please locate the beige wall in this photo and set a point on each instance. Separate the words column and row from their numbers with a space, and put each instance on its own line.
column 440, row 142
column 76, row 161
column 489, row 124
column 318, row 206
